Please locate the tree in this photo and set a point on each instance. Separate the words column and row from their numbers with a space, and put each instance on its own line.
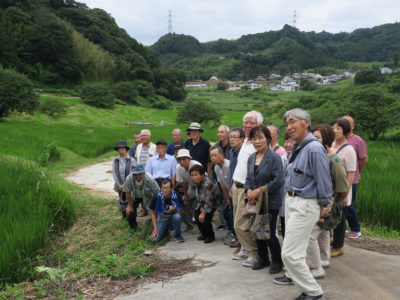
column 195, row 111
column 98, row 95
column 374, row 113
column 16, row 93
column 53, row 107
column 307, row 85
column 222, row 86
column 126, row 91
column 367, row 76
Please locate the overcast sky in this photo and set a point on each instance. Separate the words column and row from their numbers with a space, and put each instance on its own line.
column 208, row 20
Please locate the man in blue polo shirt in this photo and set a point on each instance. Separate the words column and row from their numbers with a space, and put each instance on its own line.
column 162, row 165
column 166, row 209
column 309, row 195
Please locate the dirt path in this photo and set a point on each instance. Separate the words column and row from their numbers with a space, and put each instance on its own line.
column 359, row 274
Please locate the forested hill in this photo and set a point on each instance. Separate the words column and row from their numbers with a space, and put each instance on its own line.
column 64, row 42
column 280, row 51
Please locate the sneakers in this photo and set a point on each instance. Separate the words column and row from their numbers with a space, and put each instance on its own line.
column 249, row 262
column 354, row 235
column 308, row 297
column 259, row 264
column 241, row 255
column 325, row 264
column 208, row 240
column 228, row 238
column 201, row 238
column 179, row 239
column 237, row 250
column 284, row 280
column 276, row 267
column 220, row 228
column 336, row 252
column 318, row 273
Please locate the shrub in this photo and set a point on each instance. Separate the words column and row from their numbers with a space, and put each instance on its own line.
column 222, row 86
column 194, row 111
column 395, row 87
column 367, row 76
column 16, row 93
column 126, row 91
column 98, row 95
column 144, row 88
column 161, row 102
column 307, row 85
column 53, row 108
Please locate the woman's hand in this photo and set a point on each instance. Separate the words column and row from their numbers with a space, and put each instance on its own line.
column 252, row 195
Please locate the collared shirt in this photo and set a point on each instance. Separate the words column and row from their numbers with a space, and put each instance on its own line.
column 361, row 150
column 149, row 188
column 309, row 174
column 170, row 149
column 159, row 203
column 143, row 154
column 182, row 175
column 225, row 149
column 203, row 195
column 240, row 172
column 162, row 168
column 223, row 173
column 278, row 149
column 200, row 151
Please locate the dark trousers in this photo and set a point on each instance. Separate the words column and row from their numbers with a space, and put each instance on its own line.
column 283, row 226
column 131, row 218
column 206, row 228
column 272, row 243
column 228, row 214
column 340, row 231
column 352, row 216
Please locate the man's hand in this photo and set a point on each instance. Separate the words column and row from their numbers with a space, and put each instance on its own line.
column 184, row 198
column 128, row 210
column 202, row 216
column 324, row 211
column 154, row 233
column 170, row 210
column 121, row 188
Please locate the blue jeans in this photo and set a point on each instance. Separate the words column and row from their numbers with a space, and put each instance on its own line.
column 164, row 222
column 352, row 216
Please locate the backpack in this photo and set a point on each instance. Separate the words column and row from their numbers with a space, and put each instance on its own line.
column 332, row 220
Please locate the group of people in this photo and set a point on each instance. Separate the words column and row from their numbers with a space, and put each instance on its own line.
column 307, row 189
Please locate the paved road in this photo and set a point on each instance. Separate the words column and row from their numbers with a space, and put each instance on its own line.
column 357, row 275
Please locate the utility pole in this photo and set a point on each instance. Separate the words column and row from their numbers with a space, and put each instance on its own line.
column 169, row 22
column 294, row 19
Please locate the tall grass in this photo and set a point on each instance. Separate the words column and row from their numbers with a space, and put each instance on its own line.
column 31, row 206
column 378, row 200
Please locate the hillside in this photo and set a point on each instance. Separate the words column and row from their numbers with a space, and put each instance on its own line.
column 64, row 43
column 282, row 51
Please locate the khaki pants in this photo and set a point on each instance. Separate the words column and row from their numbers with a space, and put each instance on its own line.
column 318, row 247
column 242, row 224
column 301, row 215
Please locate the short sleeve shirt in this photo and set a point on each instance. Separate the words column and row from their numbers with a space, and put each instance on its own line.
column 182, row 175
column 223, row 173
column 349, row 158
column 361, row 150
column 200, row 151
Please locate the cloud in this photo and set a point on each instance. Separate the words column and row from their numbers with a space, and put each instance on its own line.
column 147, row 21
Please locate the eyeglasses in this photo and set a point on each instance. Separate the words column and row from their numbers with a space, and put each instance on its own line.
column 235, row 137
column 291, row 122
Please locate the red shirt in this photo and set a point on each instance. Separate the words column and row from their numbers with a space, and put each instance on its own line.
column 361, row 151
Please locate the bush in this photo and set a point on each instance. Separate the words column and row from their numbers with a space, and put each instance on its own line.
column 395, row 87
column 367, row 76
column 144, row 88
column 126, row 91
column 161, row 102
column 195, row 111
column 98, row 95
column 222, row 86
column 16, row 93
column 307, row 85
column 53, row 108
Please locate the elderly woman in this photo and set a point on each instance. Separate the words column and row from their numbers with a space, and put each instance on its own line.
column 265, row 174
column 318, row 250
column 341, row 127
column 202, row 193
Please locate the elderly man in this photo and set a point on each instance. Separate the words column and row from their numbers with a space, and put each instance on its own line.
column 146, row 149
column 223, row 137
column 166, row 209
column 241, row 222
column 183, row 179
column 139, row 187
column 361, row 150
column 309, row 195
column 274, row 140
column 221, row 168
column 176, row 140
column 137, row 140
column 162, row 165
column 198, row 147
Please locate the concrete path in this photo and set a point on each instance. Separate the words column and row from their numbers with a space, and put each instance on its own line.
column 357, row 275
